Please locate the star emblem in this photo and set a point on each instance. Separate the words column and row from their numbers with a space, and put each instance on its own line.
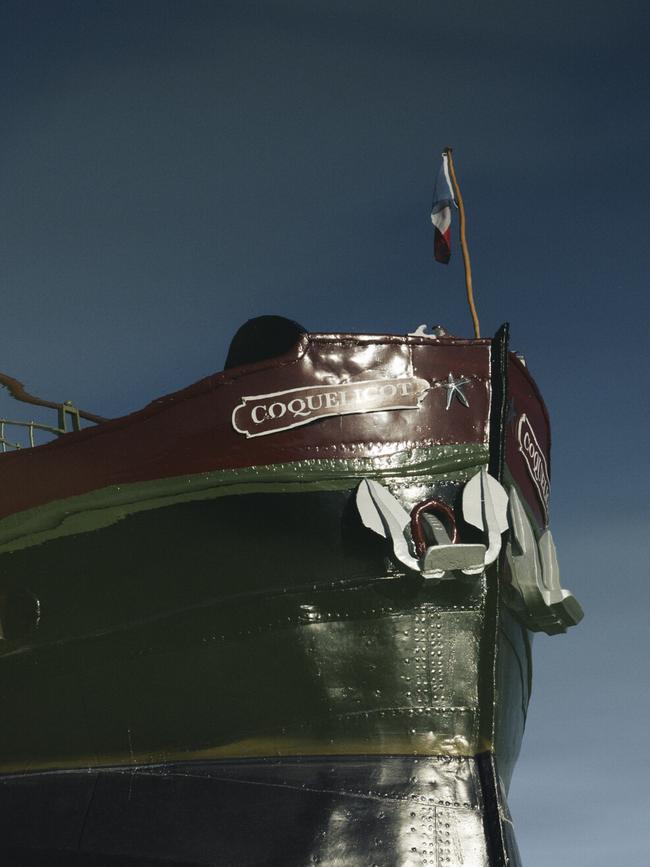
column 454, row 387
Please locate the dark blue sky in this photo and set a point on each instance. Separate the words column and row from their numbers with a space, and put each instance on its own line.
column 169, row 169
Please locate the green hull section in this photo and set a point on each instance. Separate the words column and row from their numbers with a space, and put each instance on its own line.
column 256, row 625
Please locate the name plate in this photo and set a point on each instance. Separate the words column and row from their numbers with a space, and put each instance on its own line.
column 264, row 414
column 535, row 460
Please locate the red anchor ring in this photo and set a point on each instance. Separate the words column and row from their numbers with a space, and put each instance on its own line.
column 442, row 511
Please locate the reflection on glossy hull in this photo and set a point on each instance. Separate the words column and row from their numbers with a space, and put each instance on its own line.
column 347, row 811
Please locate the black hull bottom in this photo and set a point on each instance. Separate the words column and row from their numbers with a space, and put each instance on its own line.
column 386, row 812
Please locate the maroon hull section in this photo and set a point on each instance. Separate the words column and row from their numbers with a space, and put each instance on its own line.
column 191, row 431
column 528, row 440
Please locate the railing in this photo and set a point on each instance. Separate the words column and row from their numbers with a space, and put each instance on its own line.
column 31, row 427
column 69, row 417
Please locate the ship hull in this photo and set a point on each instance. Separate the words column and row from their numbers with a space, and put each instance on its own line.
column 209, row 656
column 338, row 811
column 280, row 651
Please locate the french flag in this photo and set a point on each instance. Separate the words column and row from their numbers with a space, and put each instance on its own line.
column 443, row 198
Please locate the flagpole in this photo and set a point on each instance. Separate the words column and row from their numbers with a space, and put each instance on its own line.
column 463, row 243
